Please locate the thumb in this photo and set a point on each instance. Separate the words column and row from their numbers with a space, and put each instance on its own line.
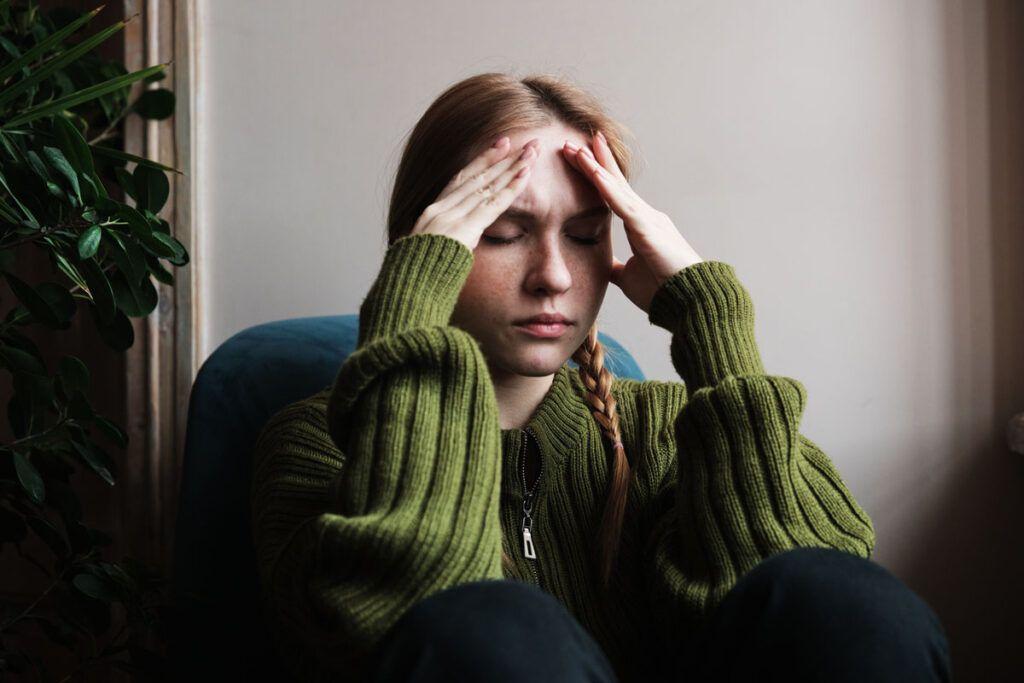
column 616, row 275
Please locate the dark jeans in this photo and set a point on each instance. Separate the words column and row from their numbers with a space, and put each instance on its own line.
column 807, row 614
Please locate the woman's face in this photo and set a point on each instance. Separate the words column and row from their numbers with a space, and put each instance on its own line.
column 555, row 263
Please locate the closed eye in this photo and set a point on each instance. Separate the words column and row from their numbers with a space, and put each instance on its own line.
column 590, row 241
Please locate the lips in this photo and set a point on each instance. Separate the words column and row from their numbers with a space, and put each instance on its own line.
column 544, row 330
column 545, row 319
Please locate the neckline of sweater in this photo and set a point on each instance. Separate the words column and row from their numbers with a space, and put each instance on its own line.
column 559, row 422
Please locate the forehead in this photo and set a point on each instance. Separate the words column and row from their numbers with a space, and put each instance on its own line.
column 550, row 136
column 554, row 186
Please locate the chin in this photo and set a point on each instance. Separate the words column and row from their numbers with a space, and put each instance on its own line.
column 545, row 361
column 534, row 362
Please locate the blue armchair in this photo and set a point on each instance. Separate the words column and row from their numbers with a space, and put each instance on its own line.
column 216, row 629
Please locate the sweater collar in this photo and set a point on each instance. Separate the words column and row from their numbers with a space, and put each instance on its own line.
column 561, row 422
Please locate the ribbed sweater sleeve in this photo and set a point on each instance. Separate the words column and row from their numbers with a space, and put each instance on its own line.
column 415, row 508
column 745, row 483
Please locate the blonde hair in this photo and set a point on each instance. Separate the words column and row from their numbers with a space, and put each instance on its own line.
column 457, row 126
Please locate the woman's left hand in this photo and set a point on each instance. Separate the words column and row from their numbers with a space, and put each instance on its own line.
column 659, row 250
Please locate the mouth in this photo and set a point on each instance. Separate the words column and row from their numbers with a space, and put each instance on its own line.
column 544, row 330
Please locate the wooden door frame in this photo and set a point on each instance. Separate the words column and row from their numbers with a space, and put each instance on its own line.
column 162, row 364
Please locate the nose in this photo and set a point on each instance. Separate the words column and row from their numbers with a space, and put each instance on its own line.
column 548, row 272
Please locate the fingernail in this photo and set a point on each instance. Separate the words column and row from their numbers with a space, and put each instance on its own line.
column 601, row 135
column 501, row 141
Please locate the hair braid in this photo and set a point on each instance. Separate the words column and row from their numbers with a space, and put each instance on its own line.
column 597, row 380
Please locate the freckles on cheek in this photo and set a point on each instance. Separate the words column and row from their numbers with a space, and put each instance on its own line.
column 483, row 295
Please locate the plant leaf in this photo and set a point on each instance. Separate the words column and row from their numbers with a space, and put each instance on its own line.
column 60, row 300
column 151, row 187
column 29, row 478
column 127, row 183
column 37, row 165
column 61, row 163
column 74, row 146
column 157, row 103
column 95, row 463
column 95, row 587
column 89, row 241
column 158, row 271
column 24, row 209
column 119, row 333
column 99, row 289
column 58, row 61
column 39, row 307
column 85, row 95
column 19, row 360
column 71, row 271
column 129, row 257
column 50, row 534
column 137, row 223
column 136, row 299
column 111, row 153
column 51, row 41
column 73, row 373
column 116, row 434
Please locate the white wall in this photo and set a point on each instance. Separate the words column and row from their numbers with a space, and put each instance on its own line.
column 848, row 158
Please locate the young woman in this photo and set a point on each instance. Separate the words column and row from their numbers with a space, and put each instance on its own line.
column 462, row 505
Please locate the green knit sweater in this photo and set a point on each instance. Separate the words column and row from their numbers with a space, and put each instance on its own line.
column 397, row 482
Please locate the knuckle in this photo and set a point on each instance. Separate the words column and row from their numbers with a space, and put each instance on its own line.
column 439, row 225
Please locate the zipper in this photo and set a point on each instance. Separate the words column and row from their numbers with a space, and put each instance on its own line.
column 529, row 550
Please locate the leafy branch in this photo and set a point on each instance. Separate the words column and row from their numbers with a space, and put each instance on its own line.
column 93, row 211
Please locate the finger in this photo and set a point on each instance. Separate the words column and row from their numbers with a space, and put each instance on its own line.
column 487, row 192
column 484, row 160
column 623, row 201
column 603, row 154
column 489, row 208
column 570, row 151
column 632, row 200
column 486, row 177
column 616, row 273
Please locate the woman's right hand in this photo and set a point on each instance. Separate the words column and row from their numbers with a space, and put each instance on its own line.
column 479, row 193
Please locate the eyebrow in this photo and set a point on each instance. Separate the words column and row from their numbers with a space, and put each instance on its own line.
column 522, row 214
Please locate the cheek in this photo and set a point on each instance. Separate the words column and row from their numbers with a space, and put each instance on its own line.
column 484, row 276
column 485, row 287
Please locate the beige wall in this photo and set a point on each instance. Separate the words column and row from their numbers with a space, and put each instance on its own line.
column 859, row 163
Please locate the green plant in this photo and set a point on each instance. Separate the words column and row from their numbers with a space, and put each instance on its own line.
column 58, row 189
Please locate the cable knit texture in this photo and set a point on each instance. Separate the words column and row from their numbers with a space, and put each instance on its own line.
column 396, row 481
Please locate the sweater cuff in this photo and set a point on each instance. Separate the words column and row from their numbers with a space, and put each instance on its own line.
column 418, row 285
column 711, row 317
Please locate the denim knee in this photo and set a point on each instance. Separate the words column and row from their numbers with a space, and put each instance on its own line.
column 493, row 630
column 830, row 609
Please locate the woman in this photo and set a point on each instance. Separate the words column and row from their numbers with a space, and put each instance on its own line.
column 462, row 505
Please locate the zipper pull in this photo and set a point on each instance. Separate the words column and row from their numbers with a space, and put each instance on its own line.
column 528, row 549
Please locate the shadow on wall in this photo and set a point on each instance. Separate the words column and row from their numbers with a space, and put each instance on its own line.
column 970, row 548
